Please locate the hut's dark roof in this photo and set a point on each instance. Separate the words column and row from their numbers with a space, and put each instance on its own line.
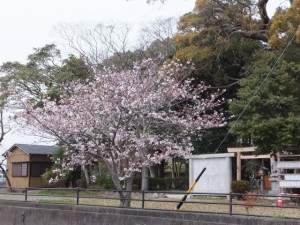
column 35, row 149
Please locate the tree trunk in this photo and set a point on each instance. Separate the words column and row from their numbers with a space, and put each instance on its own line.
column 6, row 177
column 179, row 169
column 145, row 179
column 173, row 172
column 125, row 199
column 100, row 168
column 125, row 196
column 86, row 176
column 186, row 170
column 161, row 169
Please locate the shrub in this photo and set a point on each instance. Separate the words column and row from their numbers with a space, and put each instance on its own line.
column 105, row 182
column 48, row 175
column 240, row 186
column 156, row 183
column 79, row 183
column 137, row 183
column 136, row 187
column 181, row 183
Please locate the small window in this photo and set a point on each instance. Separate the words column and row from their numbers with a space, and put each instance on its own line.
column 19, row 169
column 37, row 169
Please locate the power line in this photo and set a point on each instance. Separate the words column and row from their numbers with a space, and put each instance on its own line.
column 257, row 90
column 238, row 118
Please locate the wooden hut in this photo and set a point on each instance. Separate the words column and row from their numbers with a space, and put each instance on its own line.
column 26, row 163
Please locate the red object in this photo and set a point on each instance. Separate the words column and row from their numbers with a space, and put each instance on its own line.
column 279, row 202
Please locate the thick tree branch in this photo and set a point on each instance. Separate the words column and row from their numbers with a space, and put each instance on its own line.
column 255, row 35
column 262, row 6
column 3, row 131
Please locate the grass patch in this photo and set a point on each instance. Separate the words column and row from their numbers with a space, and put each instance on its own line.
column 65, row 201
column 279, row 216
column 55, row 192
column 208, row 198
column 66, row 192
column 91, row 193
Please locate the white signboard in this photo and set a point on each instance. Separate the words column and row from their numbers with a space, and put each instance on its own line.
column 218, row 175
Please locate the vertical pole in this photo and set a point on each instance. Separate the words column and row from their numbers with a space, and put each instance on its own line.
column 26, row 191
column 238, row 166
column 77, row 196
column 143, row 199
column 189, row 190
column 272, row 159
column 230, row 203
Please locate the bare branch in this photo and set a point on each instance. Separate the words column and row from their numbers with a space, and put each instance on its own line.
column 96, row 43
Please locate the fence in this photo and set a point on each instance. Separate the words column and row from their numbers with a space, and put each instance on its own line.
column 220, row 203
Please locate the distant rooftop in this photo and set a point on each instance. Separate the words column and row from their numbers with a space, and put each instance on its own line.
column 35, row 149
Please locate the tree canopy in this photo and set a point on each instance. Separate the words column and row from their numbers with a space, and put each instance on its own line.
column 44, row 74
column 227, row 41
column 128, row 119
column 271, row 121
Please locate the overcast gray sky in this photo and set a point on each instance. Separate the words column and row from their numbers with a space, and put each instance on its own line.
column 29, row 23
column 26, row 24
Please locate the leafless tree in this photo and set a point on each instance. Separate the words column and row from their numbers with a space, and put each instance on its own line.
column 156, row 38
column 96, row 43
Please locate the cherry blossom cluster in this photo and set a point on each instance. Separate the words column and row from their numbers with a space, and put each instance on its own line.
column 128, row 119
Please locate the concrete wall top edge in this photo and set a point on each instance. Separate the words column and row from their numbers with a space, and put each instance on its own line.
column 147, row 217
column 210, row 156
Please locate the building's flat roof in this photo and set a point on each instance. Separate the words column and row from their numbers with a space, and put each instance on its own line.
column 210, row 156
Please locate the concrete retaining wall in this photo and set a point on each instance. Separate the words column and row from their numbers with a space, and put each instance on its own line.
column 21, row 213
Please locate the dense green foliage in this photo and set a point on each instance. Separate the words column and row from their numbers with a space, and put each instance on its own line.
column 217, row 37
column 272, row 120
column 69, row 178
column 240, row 186
column 209, row 37
column 233, row 49
column 44, row 75
column 209, row 140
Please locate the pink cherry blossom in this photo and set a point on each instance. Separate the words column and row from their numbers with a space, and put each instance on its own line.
column 128, row 119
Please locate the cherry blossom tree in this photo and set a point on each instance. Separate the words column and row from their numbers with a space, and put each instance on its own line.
column 129, row 119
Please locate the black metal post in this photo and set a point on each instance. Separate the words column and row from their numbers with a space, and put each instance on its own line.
column 143, row 199
column 77, row 195
column 26, row 191
column 230, row 203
